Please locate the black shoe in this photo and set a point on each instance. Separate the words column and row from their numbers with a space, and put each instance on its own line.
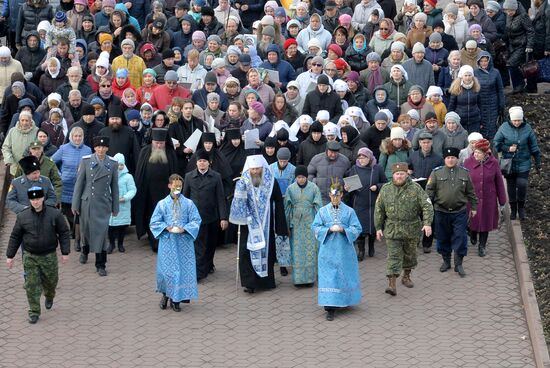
column 33, row 319
column 513, row 210
column 446, row 265
column 111, row 248
column 175, row 306
column 83, row 258
column 102, row 272
column 284, row 271
column 77, row 246
column 163, row 302
column 212, row 269
column 427, row 249
column 249, row 290
column 48, row 303
column 121, row 248
column 330, row 315
column 521, row 210
column 460, row 270
column 473, row 237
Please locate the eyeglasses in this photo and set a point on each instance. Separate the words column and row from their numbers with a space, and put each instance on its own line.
column 105, row 85
column 317, row 64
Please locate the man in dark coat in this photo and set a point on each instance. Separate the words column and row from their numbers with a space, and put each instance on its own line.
column 181, row 131
column 258, row 207
column 122, row 138
column 89, row 124
column 154, row 166
column 212, row 209
column 312, row 145
column 323, row 97
column 421, row 164
column 30, row 55
column 95, row 199
column 39, row 228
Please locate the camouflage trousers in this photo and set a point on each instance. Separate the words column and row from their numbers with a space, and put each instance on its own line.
column 41, row 271
column 401, row 255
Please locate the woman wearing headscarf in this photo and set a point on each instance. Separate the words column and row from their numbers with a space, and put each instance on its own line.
column 455, row 135
column 356, row 54
column 362, row 200
column 488, row 183
column 384, row 37
column 351, row 142
column 53, row 77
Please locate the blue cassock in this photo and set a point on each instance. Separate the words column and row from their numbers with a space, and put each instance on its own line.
column 176, row 267
column 338, row 269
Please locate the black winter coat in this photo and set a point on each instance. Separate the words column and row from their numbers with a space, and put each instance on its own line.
column 491, row 98
column 372, row 107
column 39, row 232
column 541, row 25
column 357, row 60
column 212, row 207
column 329, row 101
column 373, row 138
column 254, row 12
column 487, row 26
column 499, row 19
column 422, row 165
column 30, row 58
column 28, row 18
column 90, row 131
column 519, row 35
column 310, row 148
column 363, row 200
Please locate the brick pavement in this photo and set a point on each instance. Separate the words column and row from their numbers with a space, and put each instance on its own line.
column 115, row 321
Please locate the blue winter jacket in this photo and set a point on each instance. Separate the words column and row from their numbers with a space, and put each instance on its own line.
column 466, row 105
column 127, row 190
column 67, row 158
column 285, row 69
column 525, row 138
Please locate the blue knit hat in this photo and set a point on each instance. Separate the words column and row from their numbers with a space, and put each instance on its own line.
column 60, row 16
column 132, row 115
column 121, row 72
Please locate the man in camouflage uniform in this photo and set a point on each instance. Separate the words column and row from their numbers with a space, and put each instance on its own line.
column 39, row 228
column 401, row 209
column 450, row 189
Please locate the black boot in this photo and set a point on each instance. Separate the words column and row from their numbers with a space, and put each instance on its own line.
column 482, row 251
column 111, row 247
column 371, row 240
column 121, row 248
column 77, row 245
column 284, row 271
column 513, row 210
column 163, row 301
column 446, row 265
column 521, row 210
column 360, row 248
column 473, row 237
column 458, row 265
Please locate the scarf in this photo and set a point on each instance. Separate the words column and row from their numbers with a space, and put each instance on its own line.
column 128, row 103
column 467, row 86
column 416, row 106
column 24, row 131
column 375, row 79
column 453, row 72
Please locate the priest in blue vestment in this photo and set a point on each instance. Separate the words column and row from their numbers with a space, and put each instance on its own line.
column 336, row 227
column 175, row 223
column 258, row 207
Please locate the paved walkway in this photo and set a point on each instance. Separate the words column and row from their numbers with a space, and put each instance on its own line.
column 115, row 321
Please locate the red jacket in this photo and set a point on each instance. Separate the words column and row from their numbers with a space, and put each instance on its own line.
column 162, row 96
column 117, row 91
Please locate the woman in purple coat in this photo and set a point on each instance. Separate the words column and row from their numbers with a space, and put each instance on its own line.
column 489, row 186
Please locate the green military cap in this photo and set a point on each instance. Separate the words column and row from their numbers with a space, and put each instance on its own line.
column 399, row 166
column 36, row 144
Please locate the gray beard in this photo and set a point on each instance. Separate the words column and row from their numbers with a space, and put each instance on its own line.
column 74, row 85
column 256, row 181
column 158, row 156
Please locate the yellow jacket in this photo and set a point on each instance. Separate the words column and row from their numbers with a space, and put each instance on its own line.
column 135, row 66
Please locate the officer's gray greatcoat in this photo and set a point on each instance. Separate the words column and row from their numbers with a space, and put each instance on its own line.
column 96, row 197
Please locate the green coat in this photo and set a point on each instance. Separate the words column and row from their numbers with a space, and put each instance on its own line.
column 451, row 189
column 402, row 211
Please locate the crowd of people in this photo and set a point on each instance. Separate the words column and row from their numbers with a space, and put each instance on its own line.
column 297, row 131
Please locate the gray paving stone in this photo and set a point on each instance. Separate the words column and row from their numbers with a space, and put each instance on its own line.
column 444, row 321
